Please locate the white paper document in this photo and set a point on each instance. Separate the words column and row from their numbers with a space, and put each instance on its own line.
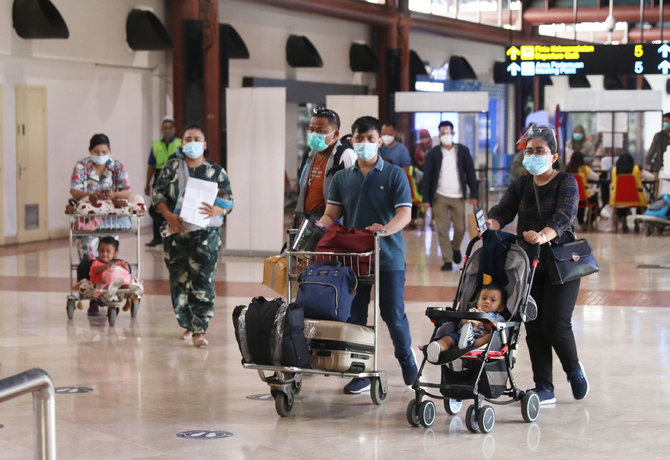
column 197, row 191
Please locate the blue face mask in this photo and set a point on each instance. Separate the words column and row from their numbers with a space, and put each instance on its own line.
column 537, row 165
column 99, row 159
column 666, row 126
column 317, row 142
column 193, row 149
column 577, row 136
column 365, row 150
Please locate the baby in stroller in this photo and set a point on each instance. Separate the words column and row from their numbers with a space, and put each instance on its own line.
column 491, row 299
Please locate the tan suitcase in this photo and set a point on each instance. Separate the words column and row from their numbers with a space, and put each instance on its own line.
column 341, row 347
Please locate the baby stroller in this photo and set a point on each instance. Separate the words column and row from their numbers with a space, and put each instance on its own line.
column 482, row 374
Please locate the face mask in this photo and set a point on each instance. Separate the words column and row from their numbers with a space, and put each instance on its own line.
column 666, row 126
column 447, row 139
column 317, row 142
column 365, row 150
column 387, row 140
column 99, row 159
column 577, row 136
column 193, row 149
column 168, row 134
column 537, row 165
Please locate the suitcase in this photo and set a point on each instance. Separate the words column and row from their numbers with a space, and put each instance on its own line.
column 341, row 347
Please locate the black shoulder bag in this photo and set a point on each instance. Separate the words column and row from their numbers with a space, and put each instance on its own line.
column 569, row 260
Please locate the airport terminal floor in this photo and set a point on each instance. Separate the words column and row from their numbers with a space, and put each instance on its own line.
column 148, row 385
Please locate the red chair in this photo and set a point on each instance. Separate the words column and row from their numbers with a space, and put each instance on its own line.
column 626, row 196
column 584, row 203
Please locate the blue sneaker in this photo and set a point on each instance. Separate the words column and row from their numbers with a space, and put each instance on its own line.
column 357, row 386
column 578, row 382
column 546, row 396
column 409, row 369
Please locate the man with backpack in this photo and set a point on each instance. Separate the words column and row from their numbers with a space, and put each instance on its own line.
column 327, row 156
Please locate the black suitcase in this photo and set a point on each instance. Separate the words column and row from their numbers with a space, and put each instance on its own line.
column 270, row 332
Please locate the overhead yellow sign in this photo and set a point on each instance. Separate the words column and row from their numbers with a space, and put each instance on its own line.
column 549, row 53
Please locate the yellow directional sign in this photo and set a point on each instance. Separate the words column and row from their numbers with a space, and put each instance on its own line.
column 513, row 53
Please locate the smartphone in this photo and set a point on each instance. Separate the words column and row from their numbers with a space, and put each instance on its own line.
column 481, row 220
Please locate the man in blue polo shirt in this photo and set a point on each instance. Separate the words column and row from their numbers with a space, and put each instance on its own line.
column 374, row 195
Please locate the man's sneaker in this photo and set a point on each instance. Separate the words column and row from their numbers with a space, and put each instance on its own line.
column 546, row 396
column 578, row 382
column 467, row 336
column 446, row 267
column 357, row 386
column 409, row 369
column 93, row 307
column 456, row 255
column 433, row 352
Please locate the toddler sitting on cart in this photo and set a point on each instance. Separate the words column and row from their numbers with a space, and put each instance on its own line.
column 492, row 299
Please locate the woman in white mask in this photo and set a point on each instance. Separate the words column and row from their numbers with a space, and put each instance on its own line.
column 558, row 197
column 96, row 177
column 192, row 250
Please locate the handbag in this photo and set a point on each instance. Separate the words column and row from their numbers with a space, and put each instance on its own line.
column 339, row 238
column 569, row 260
column 327, row 290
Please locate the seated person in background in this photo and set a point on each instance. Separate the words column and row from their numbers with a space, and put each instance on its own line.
column 492, row 299
column 577, row 166
column 626, row 165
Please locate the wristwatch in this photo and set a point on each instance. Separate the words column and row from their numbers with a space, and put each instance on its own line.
column 544, row 237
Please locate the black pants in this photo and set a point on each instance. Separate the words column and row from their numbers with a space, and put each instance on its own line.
column 158, row 220
column 552, row 329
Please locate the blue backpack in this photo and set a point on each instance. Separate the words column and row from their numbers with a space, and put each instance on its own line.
column 660, row 207
column 326, row 291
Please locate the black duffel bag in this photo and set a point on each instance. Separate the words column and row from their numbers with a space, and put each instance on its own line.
column 271, row 332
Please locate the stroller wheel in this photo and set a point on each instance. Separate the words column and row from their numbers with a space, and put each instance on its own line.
column 487, row 418
column 453, row 406
column 471, row 419
column 412, row 417
column 530, row 406
column 427, row 413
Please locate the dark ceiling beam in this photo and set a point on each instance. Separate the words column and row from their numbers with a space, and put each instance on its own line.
column 538, row 16
column 367, row 13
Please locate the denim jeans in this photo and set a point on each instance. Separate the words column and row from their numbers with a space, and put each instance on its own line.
column 392, row 308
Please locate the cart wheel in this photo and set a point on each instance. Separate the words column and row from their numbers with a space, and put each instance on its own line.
column 427, row 413
column 283, row 403
column 530, row 406
column 453, row 406
column 471, row 419
column 112, row 312
column 376, row 393
column 71, row 305
column 487, row 418
column 134, row 308
column 412, row 417
column 297, row 385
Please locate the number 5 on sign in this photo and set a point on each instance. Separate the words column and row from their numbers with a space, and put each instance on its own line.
column 638, row 52
column 639, row 67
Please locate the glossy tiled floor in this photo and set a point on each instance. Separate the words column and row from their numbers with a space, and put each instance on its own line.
column 148, row 385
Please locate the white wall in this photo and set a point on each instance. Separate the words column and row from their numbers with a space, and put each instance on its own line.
column 265, row 30
column 95, row 83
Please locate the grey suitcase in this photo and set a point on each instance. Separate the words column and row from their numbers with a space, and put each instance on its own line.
column 341, row 347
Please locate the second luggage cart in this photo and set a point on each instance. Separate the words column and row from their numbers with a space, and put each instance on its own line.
column 285, row 382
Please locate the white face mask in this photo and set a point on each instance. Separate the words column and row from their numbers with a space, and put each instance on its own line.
column 447, row 139
column 388, row 139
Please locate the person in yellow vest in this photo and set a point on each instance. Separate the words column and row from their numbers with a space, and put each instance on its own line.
column 161, row 150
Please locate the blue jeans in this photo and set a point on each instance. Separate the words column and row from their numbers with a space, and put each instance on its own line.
column 391, row 306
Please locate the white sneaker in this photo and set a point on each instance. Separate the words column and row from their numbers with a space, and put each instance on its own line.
column 467, row 336
column 433, row 352
column 114, row 286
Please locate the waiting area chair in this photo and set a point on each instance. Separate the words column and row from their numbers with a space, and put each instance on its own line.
column 584, row 203
column 626, row 196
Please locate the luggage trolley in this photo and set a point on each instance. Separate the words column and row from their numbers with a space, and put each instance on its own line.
column 285, row 382
column 98, row 225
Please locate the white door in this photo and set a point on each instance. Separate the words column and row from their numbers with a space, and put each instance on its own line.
column 31, row 163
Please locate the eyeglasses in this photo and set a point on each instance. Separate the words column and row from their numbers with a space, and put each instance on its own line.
column 539, row 151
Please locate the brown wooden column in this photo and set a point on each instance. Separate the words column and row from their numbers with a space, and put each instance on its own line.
column 179, row 11
column 211, row 57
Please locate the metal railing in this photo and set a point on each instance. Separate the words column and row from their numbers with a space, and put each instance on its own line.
column 37, row 382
